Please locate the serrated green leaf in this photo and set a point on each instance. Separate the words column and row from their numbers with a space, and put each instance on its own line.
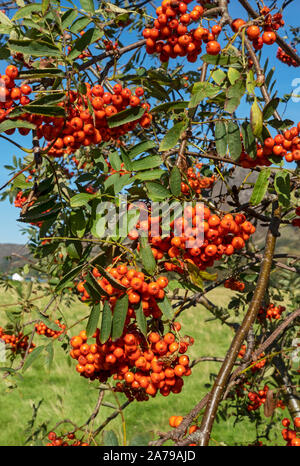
column 282, row 185
column 88, row 38
column 10, row 124
column 141, row 319
column 27, row 11
column 36, row 48
column 250, row 82
column 280, row 125
column 119, row 317
column 93, row 320
column 233, row 75
column 146, row 254
column 201, row 91
column 222, row 60
column 88, row 5
column 218, row 76
column 80, row 199
column 126, row 160
column 32, row 357
column 106, row 323
column 234, row 140
column 249, row 139
column 157, row 191
column 115, row 160
column 149, row 175
column 77, row 223
column 166, row 308
column 5, row 19
column 173, row 135
column 45, row 110
column 145, row 163
column 69, row 277
column 169, row 106
column 256, row 119
column 125, row 116
column 143, row 146
column 233, row 96
column 270, row 108
column 50, row 355
column 175, row 181
column 221, row 138
column 41, row 73
column 260, row 187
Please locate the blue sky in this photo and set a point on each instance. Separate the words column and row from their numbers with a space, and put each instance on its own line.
column 10, row 231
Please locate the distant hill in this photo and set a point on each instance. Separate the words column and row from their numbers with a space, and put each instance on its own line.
column 12, row 256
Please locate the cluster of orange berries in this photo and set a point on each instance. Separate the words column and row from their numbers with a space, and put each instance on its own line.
column 199, row 237
column 10, row 93
column 84, row 127
column 285, row 58
column 285, row 145
column 271, row 24
column 64, row 440
column 270, row 312
column 291, row 435
column 259, row 398
column 42, row 329
column 170, row 37
column 137, row 289
column 255, row 367
column 234, row 284
column 196, row 182
column 21, row 199
column 16, row 343
column 109, row 45
column 296, row 221
column 81, row 127
column 145, row 365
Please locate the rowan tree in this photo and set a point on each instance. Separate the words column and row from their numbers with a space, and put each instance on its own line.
column 118, row 107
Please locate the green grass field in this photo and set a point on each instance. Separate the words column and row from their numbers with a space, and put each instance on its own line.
column 60, row 393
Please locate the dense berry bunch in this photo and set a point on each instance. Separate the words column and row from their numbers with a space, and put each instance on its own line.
column 296, row 221
column 258, row 398
column 264, row 34
column 66, row 440
column 270, row 312
column 285, row 58
column 170, row 37
column 42, row 329
column 21, row 199
column 254, row 367
column 291, row 435
column 199, row 237
column 145, row 365
column 132, row 282
column 234, row 284
column 285, row 145
column 87, row 115
column 16, row 343
column 196, row 182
